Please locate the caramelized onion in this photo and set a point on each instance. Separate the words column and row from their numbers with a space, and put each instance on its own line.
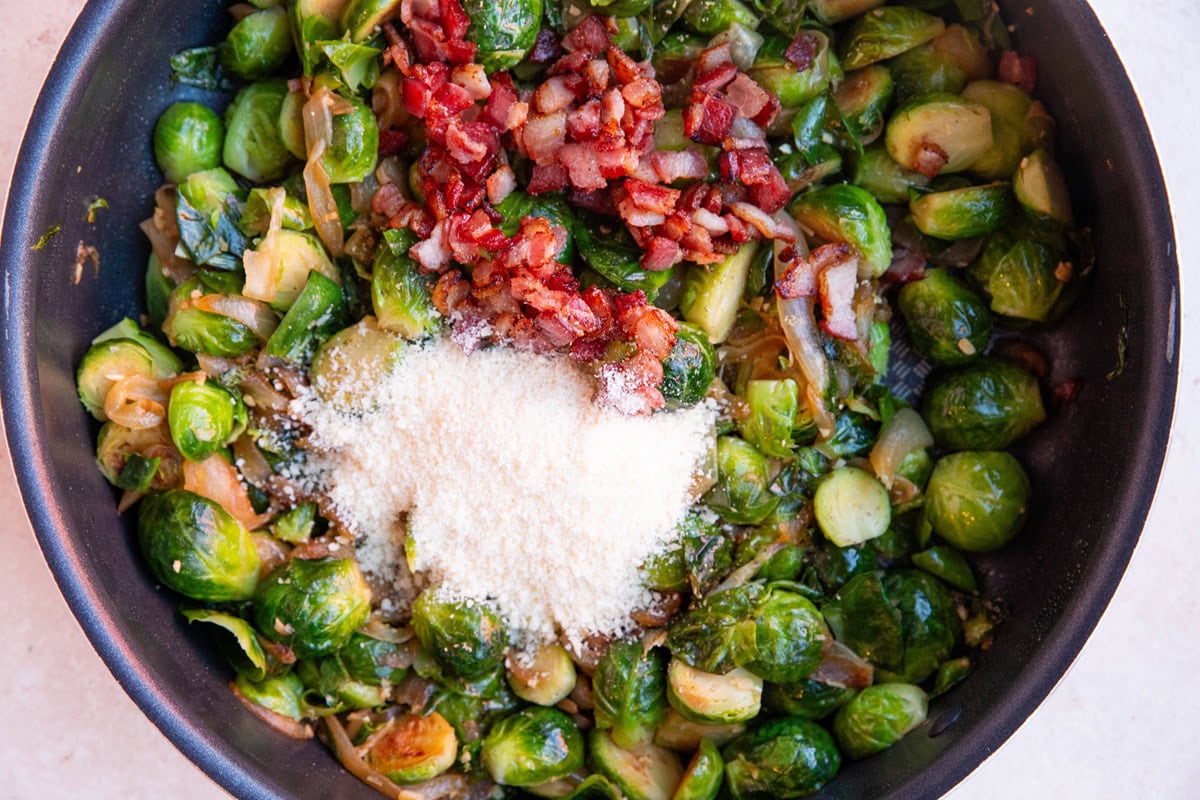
column 263, row 396
column 218, row 480
column 262, row 263
column 256, row 316
column 904, row 433
column 318, row 135
column 137, row 402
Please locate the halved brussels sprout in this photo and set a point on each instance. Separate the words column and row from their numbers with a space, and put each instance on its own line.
column 863, row 97
column 122, row 351
column 711, row 17
column 258, row 45
column 852, row 507
column 314, row 316
column 204, row 417
column 158, row 287
column 885, row 33
column 784, row 757
column 713, row 699
column 362, row 18
column 543, row 677
column 963, row 213
column 742, row 494
column 200, row 331
column 689, row 368
column 712, row 294
column 138, row 460
column 879, row 174
column 878, row 717
column 414, row 748
column 253, row 145
column 466, row 638
column 533, row 746
column 831, row 12
column 1023, row 277
column 683, row 736
column 794, row 87
column 400, row 294
column 702, row 778
column 773, row 406
column 1012, row 134
column 987, row 405
column 946, row 564
column 646, row 772
column 807, row 699
column 628, row 688
column 938, row 134
column 195, row 547
column 188, row 138
column 789, row 635
column 504, row 30
column 315, row 606
column 845, row 213
column 296, row 524
column 946, row 64
column 340, row 363
column 354, row 146
column 256, row 215
column 1041, row 189
column 283, row 695
column 948, row 322
column 977, row 501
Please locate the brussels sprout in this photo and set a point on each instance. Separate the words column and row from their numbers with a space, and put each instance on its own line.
column 699, row 560
column 878, row 717
column 845, row 213
column 672, row 59
column 258, row 45
column 314, row 21
column 742, row 494
column 938, row 134
column 313, row 606
column 781, row 758
column 621, row 9
column 122, row 351
column 628, row 688
column 207, row 210
column 682, row 735
column 373, row 661
column 852, row 507
column 646, row 772
column 821, row 143
column 158, row 287
column 928, row 618
column 316, row 314
column 948, row 322
column 950, row 674
column 719, row 634
column 253, row 146
column 238, row 641
column 362, row 18
column 807, row 699
column 945, row 64
column 611, row 251
column 413, row 748
column 505, row 30
column 196, row 548
column 187, row 138
column 772, row 416
column 543, row 677
column 863, row 618
column 556, row 211
column 138, row 460
column 887, row 32
column 831, row 12
column 713, row 699
column 1023, row 278
column 466, row 638
column 946, row 564
column 533, row 746
column 354, row 145
column 282, row 695
column 204, row 417
column 689, row 368
column 794, row 87
column 987, row 405
column 328, row 682
column 1012, row 138
column 963, row 213
column 340, row 363
column 789, row 635
column 1041, row 189
column 879, row 174
column 711, row 17
column 702, row 778
column 400, row 294
column 256, row 214
column 199, row 331
column 977, row 501
column 863, row 97
column 713, row 294
column 295, row 525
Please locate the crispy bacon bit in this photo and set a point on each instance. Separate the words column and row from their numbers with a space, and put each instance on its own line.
column 670, row 166
column 747, row 96
column 392, row 142
column 1018, row 70
column 800, row 278
column 661, row 254
column 802, row 50
column 1066, row 392
column 930, row 159
column 501, row 184
column 707, row 118
column 837, row 284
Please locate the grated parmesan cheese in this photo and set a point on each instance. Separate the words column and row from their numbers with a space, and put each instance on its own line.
column 515, row 486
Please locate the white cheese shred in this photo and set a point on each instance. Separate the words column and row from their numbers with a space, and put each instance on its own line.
column 516, row 488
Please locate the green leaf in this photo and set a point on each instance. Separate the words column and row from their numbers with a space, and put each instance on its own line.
column 216, row 242
column 357, row 65
column 200, row 67
column 242, row 646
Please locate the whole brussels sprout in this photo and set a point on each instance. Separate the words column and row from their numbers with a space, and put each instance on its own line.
column 807, row 699
column 253, row 145
column 713, row 699
column 314, row 607
column 793, row 86
column 878, row 717
column 928, row 619
column 948, row 322
column 258, row 45
column 544, row 677
column 629, row 687
column 846, row 213
column 783, row 758
column 354, row 145
column 689, row 368
column 773, row 406
column 505, row 30
column 400, row 294
column 1023, row 277
column 837, row 565
column 533, row 746
column 789, row 635
column 743, row 492
column 711, row 17
column 196, row 548
column 199, row 331
column 414, row 748
column 204, row 417
column 977, row 501
column 466, row 638
column 885, row 33
column 188, row 138
column 719, row 633
column 703, row 776
column 986, row 405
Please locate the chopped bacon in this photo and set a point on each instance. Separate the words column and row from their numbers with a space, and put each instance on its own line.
column 542, row 136
column 802, row 50
column 747, row 96
column 473, row 78
column 432, row 254
column 501, row 184
column 670, row 166
column 837, row 284
column 715, row 79
column 661, row 254
column 930, row 159
column 553, row 96
column 800, row 278
column 583, row 169
column 707, row 118
column 588, row 37
column 1018, row 70
column 714, row 57
column 907, row 266
column 392, row 142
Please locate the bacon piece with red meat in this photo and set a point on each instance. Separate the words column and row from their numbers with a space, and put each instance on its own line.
column 1019, row 70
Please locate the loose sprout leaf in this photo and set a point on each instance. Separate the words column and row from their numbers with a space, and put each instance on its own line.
column 200, row 67
column 357, row 65
column 1122, row 341
column 138, row 473
column 863, row 619
column 45, row 238
column 94, row 205
column 242, row 647
column 216, row 242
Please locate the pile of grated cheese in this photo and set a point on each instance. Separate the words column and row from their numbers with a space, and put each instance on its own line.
column 517, row 489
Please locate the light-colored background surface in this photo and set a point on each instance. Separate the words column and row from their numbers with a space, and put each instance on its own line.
column 1119, row 725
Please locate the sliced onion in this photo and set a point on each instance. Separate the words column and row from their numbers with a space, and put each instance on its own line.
column 253, row 465
column 262, row 263
column 128, row 498
column 285, row 725
column 218, row 480
column 318, row 135
column 256, row 316
column 744, row 44
column 901, row 435
column 841, row 666
column 137, row 402
column 266, row 398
